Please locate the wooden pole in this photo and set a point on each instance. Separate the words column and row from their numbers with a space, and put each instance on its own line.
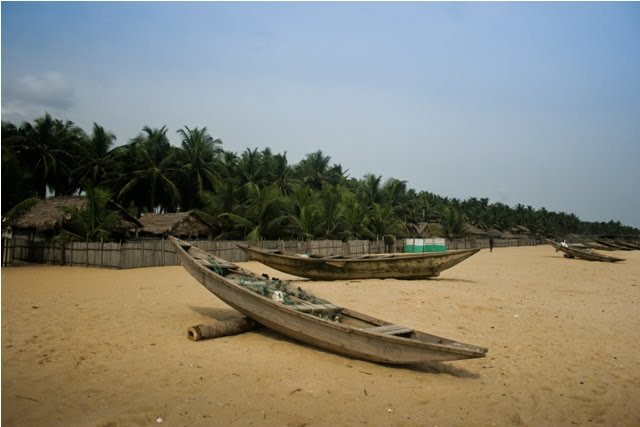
column 221, row 329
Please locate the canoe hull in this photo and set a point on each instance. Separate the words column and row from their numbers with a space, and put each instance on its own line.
column 583, row 254
column 383, row 266
column 356, row 342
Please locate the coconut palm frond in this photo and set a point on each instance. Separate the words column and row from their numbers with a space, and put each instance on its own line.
column 237, row 219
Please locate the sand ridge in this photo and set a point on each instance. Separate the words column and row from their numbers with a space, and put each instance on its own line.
column 101, row 347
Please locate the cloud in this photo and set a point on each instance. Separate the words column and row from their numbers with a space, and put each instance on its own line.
column 28, row 96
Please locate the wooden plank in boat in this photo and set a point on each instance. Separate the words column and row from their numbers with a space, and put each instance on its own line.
column 390, row 329
column 308, row 308
column 339, row 264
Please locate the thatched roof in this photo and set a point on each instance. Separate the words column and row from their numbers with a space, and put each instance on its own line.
column 494, row 233
column 48, row 215
column 176, row 224
column 473, row 230
column 520, row 229
column 427, row 229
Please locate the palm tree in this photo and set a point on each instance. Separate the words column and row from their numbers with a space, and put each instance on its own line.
column 476, row 210
column 383, row 222
column 196, row 158
column 262, row 213
column 370, row 191
column 250, row 166
column 150, row 183
column 453, row 223
column 94, row 221
column 17, row 184
column 225, row 199
column 330, row 199
column 394, row 191
column 354, row 218
column 304, row 215
column 423, row 208
column 313, row 169
column 47, row 148
column 95, row 160
column 282, row 173
column 499, row 216
column 228, row 165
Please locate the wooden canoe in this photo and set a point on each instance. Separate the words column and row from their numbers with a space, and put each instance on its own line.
column 614, row 245
column 572, row 252
column 311, row 320
column 634, row 246
column 411, row 266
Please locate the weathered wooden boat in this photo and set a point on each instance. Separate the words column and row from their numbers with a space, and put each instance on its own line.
column 594, row 245
column 311, row 320
column 371, row 266
column 614, row 245
column 628, row 245
column 572, row 252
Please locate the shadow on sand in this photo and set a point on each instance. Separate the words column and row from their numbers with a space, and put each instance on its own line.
column 226, row 314
column 454, row 280
column 427, row 368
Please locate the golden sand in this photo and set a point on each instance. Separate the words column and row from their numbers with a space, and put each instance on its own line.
column 109, row 347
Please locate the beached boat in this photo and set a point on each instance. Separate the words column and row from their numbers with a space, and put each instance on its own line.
column 630, row 245
column 593, row 245
column 303, row 317
column 573, row 252
column 371, row 266
column 614, row 245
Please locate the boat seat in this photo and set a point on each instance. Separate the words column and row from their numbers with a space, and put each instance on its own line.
column 222, row 264
column 390, row 329
column 314, row 308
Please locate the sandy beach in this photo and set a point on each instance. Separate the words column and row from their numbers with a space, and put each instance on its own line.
column 97, row 347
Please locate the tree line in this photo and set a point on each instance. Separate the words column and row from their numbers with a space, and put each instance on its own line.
column 256, row 194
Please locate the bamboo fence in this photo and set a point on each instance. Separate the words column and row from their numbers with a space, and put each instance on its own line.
column 158, row 253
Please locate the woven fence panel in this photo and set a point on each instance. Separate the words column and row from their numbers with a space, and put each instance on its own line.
column 159, row 253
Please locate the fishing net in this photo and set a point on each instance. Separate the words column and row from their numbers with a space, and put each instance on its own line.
column 284, row 293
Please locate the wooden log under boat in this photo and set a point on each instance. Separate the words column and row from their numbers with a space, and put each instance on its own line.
column 221, row 328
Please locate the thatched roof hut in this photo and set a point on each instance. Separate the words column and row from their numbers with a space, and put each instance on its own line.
column 474, row 231
column 181, row 224
column 494, row 233
column 427, row 229
column 521, row 230
column 507, row 235
column 48, row 216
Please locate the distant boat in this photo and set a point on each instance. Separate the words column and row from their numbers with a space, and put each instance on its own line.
column 635, row 246
column 627, row 245
column 593, row 245
column 614, row 245
column 371, row 266
column 587, row 254
column 303, row 317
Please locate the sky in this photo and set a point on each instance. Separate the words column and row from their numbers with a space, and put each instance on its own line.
column 529, row 103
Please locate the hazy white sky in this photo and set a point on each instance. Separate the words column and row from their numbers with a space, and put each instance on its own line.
column 532, row 103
